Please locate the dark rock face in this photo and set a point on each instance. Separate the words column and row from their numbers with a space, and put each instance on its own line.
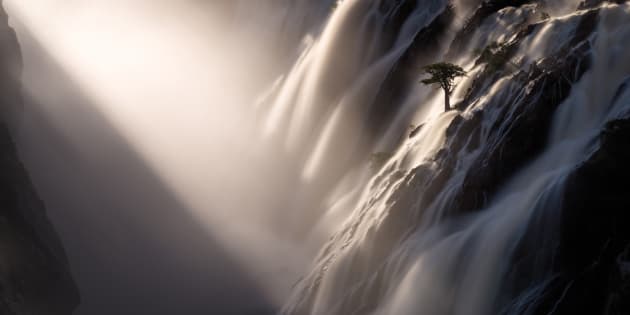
column 585, row 247
column 405, row 72
column 481, row 13
column 593, row 257
column 10, row 71
column 589, row 253
column 548, row 85
column 34, row 273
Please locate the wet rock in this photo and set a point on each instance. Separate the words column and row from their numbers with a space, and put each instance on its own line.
column 546, row 85
column 415, row 131
column 592, row 257
column 493, row 72
column 513, row 128
column 465, row 132
column 405, row 72
column 483, row 11
column 589, row 4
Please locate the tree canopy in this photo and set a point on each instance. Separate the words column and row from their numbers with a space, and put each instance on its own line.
column 444, row 74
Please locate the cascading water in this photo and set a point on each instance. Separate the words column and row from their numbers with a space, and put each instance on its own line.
column 194, row 200
column 317, row 115
column 420, row 237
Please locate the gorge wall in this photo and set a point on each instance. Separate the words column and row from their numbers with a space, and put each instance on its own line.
column 34, row 272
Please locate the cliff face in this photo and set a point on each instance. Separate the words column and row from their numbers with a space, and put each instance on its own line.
column 34, row 272
column 497, row 208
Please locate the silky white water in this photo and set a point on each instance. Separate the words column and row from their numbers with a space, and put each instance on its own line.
column 456, row 265
column 262, row 123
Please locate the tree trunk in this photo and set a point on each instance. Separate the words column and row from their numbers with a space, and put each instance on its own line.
column 447, row 101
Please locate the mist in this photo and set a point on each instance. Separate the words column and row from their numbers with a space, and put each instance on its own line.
column 281, row 157
column 139, row 135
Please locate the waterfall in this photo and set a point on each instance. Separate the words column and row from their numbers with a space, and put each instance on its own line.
column 416, row 238
column 320, row 115
column 214, row 153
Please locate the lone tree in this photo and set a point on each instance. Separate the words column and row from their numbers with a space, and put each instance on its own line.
column 443, row 73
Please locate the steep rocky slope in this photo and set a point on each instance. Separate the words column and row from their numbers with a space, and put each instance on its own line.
column 496, row 220
column 34, row 273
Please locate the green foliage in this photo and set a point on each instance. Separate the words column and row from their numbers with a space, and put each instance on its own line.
column 378, row 159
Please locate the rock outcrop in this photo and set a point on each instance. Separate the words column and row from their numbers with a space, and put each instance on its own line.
column 574, row 255
column 34, row 272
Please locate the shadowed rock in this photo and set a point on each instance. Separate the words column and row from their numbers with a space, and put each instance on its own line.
column 34, row 272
